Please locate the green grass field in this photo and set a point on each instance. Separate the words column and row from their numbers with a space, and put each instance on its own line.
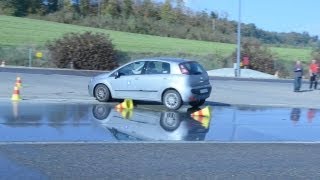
column 16, row 31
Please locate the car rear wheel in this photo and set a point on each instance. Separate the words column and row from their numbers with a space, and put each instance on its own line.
column 170, row 121
column 197, row 103
column 172, row 99
column 102, row 93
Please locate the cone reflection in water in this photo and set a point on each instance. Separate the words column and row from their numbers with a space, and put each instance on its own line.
column 16, row 94
column 18, row 82
column 125, row 113
column 203, row 112
column 205, row 121
column 126, row 104
column 15, row 109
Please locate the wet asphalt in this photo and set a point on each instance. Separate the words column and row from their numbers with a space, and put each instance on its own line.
column 47, row 140
column 73, row 122
column 58, row 132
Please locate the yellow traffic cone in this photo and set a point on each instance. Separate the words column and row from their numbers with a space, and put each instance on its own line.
column 18, row 82
column 126, row 104
column 205, row 121
column 126, row 113
column 203, row 112
column 16, row 94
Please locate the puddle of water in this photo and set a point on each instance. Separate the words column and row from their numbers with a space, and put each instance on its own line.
column 40, row 122
column 264, row 124
column 53, row 122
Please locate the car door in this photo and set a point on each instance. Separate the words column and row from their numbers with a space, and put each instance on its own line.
column 122, row 81
column 152, row 80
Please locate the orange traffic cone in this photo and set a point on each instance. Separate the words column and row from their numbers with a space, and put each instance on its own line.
column 16, row 94
column 126, row 113
column 18, row 82
column 205, row 121
column 203, row 112
column 126, row 104
column 3, row 64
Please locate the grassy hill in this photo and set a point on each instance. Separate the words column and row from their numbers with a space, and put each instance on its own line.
column 16, row 31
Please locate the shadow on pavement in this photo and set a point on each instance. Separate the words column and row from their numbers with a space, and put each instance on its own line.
column 306, row 90
column 212, row 103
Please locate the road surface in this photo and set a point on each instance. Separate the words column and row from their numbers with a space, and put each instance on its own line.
column 158, row 160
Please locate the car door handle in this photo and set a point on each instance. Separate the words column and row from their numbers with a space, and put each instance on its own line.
column 136, row 78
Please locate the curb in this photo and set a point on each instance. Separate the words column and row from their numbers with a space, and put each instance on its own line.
column 48, row 71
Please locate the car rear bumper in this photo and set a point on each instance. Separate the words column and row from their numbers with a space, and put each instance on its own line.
column 195, row 94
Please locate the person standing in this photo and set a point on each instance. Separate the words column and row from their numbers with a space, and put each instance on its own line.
column 313, row 71
column 298, row 73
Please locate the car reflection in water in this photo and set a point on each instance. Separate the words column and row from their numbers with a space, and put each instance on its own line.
column 143, row 124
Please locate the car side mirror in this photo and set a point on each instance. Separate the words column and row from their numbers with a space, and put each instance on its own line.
column 117, row 75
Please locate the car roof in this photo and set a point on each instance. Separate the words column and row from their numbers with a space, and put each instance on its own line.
column 165, row 59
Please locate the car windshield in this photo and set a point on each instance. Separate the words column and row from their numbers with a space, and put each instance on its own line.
column 193, row 68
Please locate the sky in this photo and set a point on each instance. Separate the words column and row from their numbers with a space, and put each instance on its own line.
column 270, row 15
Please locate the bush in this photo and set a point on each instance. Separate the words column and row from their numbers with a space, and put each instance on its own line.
column 316, row 53
column 83, row 51
column 261, row 58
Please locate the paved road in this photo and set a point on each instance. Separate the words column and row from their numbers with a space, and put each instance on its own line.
column 225, row 92
column 158, row 160
column 264, row 94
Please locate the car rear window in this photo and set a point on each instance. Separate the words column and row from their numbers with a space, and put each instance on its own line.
column 193, row 68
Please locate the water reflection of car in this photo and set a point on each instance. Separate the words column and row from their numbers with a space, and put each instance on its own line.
column 167, row 80
column 143, row 124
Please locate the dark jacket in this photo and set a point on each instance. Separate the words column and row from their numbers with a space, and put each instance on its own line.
column 298, row 71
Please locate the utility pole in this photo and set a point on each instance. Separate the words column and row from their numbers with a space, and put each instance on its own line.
column 237, row 74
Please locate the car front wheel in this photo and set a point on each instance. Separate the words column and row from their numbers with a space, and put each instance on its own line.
column 172, row 100
column 101, row 111
column 102, row 93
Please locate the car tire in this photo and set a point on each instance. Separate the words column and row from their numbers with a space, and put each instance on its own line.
column 170, row 121
column 172, row 100
column 197, row 103
column 102, row 93
column 101, row 111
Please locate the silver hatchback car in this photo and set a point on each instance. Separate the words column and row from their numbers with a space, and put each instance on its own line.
column 168, row 80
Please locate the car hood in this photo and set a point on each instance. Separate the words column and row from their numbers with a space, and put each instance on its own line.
column 101, row 76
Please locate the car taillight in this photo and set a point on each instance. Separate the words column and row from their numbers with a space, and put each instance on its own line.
column 183, row 69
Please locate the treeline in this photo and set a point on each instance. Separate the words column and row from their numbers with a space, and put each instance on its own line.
column 170, row 18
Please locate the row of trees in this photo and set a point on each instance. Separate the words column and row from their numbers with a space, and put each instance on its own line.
column 170, row 18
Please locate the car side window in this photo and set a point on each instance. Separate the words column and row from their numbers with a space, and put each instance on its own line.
column 156, row 67
column 165, row 68
column 132, row 69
